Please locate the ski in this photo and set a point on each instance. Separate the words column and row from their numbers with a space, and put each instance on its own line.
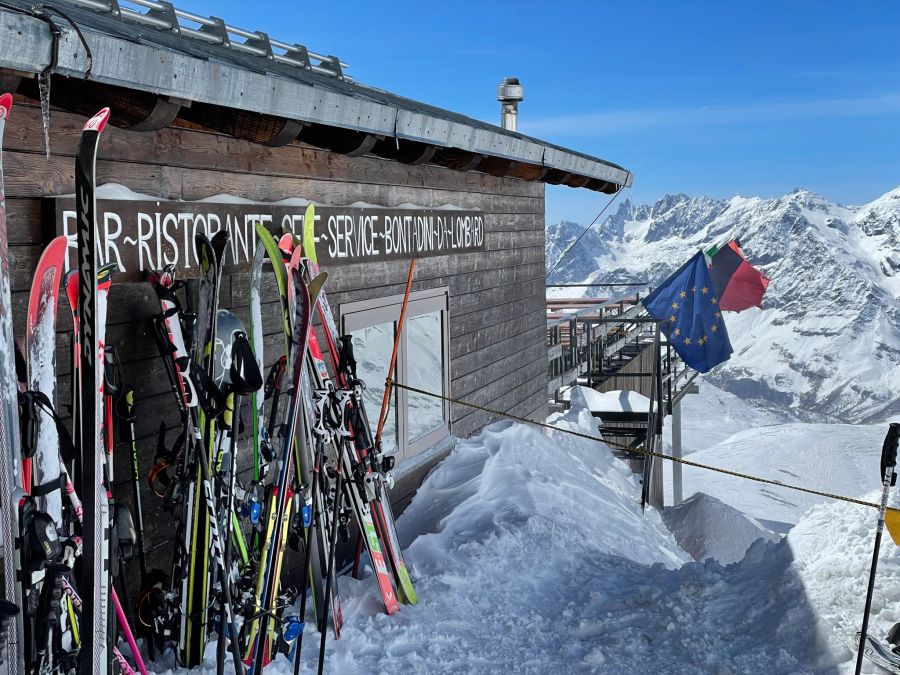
column 320, row 543
column 195, row 589
column 11, row 640
column 94, row 572
column 281, row 495
column 40, row 349
column 43, row 448
column 340, row 350
column 878, row 653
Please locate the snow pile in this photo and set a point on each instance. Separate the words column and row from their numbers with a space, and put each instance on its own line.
column 706, row 528
column 619, row 400
column 832, row 547
column 837, row 458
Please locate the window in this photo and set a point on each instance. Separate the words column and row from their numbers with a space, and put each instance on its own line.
column 416, row 421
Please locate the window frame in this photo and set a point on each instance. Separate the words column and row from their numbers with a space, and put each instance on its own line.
column 386, row 309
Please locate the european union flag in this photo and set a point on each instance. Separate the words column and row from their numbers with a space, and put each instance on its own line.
column 688, row 308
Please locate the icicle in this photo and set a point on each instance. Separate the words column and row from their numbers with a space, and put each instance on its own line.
column 44, row 89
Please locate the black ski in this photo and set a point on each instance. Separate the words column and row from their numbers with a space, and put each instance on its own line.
column 94, row 578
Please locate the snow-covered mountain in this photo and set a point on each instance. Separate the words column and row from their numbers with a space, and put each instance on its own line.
column 827, row 344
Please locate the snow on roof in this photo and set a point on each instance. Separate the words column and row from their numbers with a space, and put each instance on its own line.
column 621, row 400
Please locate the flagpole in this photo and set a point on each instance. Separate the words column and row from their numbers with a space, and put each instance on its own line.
column 888, row 479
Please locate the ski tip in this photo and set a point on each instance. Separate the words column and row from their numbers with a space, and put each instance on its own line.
column 5, row 105
column 309, row 234
column 98, row 121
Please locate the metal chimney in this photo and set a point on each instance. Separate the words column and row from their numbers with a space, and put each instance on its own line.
column 509, row 93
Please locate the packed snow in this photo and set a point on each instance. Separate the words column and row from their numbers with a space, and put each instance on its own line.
column 530, row 553
column 707, row 528
column 620, row 400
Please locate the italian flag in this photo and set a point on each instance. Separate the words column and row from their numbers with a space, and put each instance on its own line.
column 739, row 285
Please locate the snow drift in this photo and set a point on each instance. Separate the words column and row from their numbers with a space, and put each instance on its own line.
column 707, row 528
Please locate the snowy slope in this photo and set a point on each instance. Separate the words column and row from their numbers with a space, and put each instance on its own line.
column 838, row 458
column 713, row 415
column 828, row 342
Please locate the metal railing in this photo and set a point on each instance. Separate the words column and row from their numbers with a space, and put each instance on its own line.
column 164, row 16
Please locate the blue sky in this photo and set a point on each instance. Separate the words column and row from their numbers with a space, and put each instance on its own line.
column 713, row 98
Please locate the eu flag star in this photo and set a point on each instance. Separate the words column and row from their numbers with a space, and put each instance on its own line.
column 682, row 295
column 687, row 341
column 714, row 328
column 677, row 331
column 704, row 290
column 672, row 318
column 674, row 305
column 714, row 301
column 718, row 315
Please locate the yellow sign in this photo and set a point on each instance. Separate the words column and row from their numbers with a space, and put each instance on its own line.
column 892, row 520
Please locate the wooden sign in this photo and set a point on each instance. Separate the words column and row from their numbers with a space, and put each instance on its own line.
column 142, row 235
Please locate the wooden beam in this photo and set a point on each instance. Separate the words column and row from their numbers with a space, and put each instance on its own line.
column 529, row 172
column 496, row 166
column 9, row 80
column 453, row 158
column 344, row 141
column 406, row 152
column 602, row 186
column 163, row 114
column 247, row 126
column 577, row 181
column 557, row 177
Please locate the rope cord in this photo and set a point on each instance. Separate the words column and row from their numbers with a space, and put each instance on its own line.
column 575, row 243
column 648, row 453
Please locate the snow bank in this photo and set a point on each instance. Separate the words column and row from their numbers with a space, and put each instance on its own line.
column 832, row 546
column 707, row 528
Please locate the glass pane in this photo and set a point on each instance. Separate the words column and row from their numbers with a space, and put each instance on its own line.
column 372, row 347
column 425, row 361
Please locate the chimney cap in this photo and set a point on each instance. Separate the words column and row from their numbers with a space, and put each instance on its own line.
column 510, row 91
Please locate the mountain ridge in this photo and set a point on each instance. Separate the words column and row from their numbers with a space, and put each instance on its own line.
column 827, row 344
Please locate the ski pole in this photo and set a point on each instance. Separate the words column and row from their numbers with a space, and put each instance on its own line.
column 386, row 400
column 307, row 558
column 888, row 479
column 136, row 482
column 332, row 558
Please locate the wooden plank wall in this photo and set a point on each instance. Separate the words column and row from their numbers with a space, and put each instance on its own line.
column 497, row 306
column 625, row 379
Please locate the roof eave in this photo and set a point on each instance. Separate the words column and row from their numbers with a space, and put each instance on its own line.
column 25, row 45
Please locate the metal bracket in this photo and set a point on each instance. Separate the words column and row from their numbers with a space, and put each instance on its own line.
column 218, row 30
column 299, row 53
column 166, row 13
column 333, row 63
column 263, row 43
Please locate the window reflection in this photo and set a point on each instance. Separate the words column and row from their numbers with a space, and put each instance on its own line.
column 425, row 363
column 372, row 347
